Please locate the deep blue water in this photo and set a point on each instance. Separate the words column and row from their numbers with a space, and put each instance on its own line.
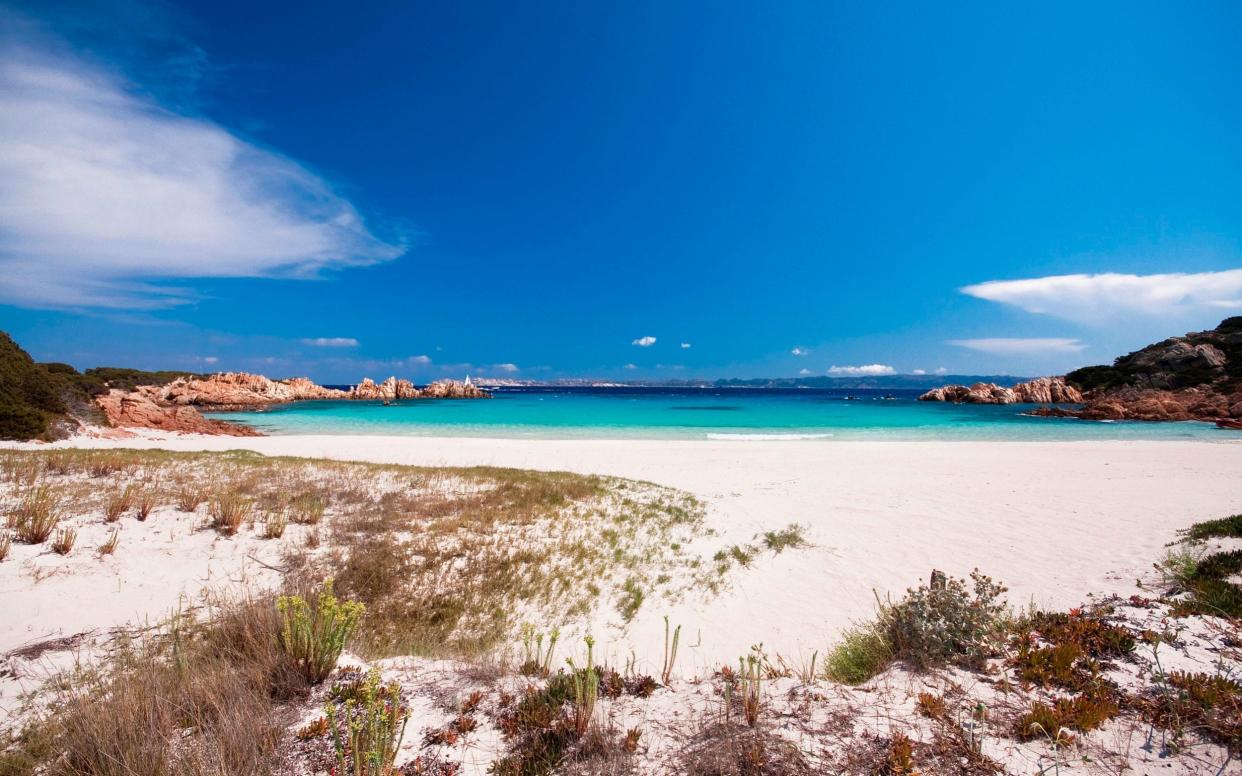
column 714, row 413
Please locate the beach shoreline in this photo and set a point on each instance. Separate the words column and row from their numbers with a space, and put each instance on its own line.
column 1052, row 520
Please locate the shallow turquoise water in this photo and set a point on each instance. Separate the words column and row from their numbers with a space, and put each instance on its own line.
column 744, row 414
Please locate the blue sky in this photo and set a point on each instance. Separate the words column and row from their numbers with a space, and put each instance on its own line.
column 530, row 190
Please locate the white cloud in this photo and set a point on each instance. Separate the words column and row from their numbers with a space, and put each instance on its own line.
column 799, row 351
column 105, row 195
column 1095, row 298
column 331, row 342
column 685, row 346
column 1020, row 346
column 867, row 370
column 804, row 371
column 210, row 359
column 941, row 370
column 507, row 367
column 918, row 372
column 644, row 342
column 631, row 366
column 419, row 359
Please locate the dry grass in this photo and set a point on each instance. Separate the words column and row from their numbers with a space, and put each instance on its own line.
column 198, row 697
column 37, row 514
column 228, row 511
column 119, row 503
column 109, row 546
column 62, row 543
column 447, row 561
column 6, row 544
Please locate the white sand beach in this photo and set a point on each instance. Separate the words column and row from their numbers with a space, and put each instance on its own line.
column 1052, row 520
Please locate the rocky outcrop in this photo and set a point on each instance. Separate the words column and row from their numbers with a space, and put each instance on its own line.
column 135, row 409
column 392, row 388
column 1194, row 377
column 237, row 389
column 1041, row 390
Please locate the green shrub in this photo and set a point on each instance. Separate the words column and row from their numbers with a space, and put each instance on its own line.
column 945, row 622
column 1224, row 526
column 315, row 637
column 862, row 653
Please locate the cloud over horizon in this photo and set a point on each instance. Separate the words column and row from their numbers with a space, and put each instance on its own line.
column 644, row 342
column 1096, row 298
column 1021, row 346
column 866, row 370
column 105, row 194
column 330, row 342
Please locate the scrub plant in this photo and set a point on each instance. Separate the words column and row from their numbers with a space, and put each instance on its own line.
column 274, row 524
column 307, row 508
column 145, row 504
column 62, row 544
column 750, row 684
column 189, row 497
column 228, row 511
column 109, row 547
column 368, row 729
column 586, row 689
column 670, row 651
column 536, row 660
column 6, row 544
column 118, row 502
column 315, row 637
column 36, row 516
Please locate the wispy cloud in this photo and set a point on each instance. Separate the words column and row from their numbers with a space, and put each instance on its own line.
column 1020, row 346
column 644, row 342
column 1096, row 298
column 804, row 371
column 799, row 351
column 866, row 370
column 419, row 359
column 106, row 195
column 685, row 346
column 506, row 367
column 918, row 371
column 630, row 366
column 331, row 342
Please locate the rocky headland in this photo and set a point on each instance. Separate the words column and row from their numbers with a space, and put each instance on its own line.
column 175, row 405
column 1197, row 376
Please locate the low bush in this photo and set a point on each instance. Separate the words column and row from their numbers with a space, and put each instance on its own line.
column 1221, row 527
column 1208, row 704
column 945, row 622
column 1083, row 713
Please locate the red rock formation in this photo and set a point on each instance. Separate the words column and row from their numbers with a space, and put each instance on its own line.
column 1041, row 390
column 135, row 409
column 392, row 388
column 238, row 389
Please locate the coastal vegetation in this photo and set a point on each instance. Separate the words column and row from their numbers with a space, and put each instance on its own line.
column 400, row 639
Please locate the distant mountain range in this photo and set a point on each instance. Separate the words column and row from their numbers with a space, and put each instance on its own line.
column 912, row 382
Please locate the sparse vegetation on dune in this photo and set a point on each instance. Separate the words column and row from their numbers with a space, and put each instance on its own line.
column 445, row 563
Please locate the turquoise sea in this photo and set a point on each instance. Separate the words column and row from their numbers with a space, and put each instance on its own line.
column 714, row 413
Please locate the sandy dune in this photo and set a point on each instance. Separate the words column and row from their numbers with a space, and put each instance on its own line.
column 1052, row 520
